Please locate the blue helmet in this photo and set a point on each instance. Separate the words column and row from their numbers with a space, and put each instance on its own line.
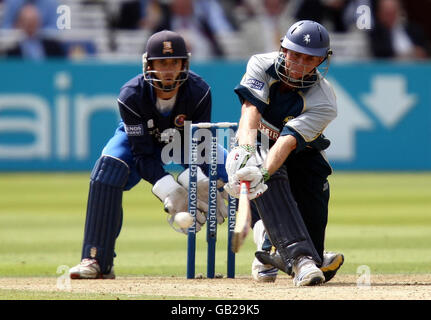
column 306, row 37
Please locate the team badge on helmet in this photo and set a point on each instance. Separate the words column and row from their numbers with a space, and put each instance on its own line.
column 307, row 38
column 167, row 47
column 179, row 120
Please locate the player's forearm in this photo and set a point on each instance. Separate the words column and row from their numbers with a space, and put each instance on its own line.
column 279, row 153
column 247, row 130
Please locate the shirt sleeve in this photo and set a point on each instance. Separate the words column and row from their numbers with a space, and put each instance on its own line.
column 310, row 124
column 254, row 86
column 320, row 108
column 146, row 154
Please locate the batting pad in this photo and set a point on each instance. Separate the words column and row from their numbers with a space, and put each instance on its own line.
column 104, row 210
column 283, row 221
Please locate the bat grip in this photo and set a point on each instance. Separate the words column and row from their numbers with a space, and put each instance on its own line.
column 245, row 186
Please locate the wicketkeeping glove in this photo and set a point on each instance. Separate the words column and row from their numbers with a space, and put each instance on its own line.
column 175, row 199
column 203, row 189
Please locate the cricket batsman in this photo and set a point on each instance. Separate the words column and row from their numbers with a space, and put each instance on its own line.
column 286, row 105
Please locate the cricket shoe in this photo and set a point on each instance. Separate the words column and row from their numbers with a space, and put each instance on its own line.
column 263, row 272
column 332, row 261
column 274, row 259
column 306, row 273
column 89, row 269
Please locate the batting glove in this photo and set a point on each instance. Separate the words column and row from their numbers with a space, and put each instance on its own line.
column 240, row 157
column 257, row 177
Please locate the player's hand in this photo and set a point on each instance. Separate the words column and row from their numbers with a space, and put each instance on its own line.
column 240, row 157
column 253, row 174
column 203, row 189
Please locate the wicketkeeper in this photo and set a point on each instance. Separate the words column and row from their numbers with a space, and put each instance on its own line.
column 152, row 106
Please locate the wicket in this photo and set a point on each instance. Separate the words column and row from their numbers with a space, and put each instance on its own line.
column 212, row 201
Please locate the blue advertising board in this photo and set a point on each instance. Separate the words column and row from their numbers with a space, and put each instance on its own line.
column 58, row 115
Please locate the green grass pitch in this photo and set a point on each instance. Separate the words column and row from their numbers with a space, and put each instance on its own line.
column 382, row 220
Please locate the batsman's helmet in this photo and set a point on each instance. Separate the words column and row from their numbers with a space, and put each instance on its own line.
column 165, row 45
column 306, row 37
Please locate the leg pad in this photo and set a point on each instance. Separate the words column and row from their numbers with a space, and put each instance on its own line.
column 104, row 210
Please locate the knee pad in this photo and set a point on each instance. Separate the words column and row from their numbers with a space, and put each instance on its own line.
column 110, row 171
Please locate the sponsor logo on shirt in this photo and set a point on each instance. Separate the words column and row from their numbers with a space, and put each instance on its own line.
column 255, row 84
column 268, row 130
column 134, row 130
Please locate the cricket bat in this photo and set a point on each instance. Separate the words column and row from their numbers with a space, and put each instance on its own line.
column 243, row 217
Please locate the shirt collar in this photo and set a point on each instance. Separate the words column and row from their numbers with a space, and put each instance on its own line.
column 271, row 71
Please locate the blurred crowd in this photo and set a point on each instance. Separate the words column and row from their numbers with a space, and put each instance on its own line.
column 212, row 28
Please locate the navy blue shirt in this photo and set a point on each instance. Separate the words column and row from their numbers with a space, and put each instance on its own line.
column 144, row 124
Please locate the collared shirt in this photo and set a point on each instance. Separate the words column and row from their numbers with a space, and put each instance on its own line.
column 145, row 125
column 303, row 113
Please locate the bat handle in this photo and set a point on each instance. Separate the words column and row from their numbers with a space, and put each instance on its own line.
column 244, row 187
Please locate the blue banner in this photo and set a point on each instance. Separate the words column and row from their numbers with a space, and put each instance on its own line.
column 58, row 115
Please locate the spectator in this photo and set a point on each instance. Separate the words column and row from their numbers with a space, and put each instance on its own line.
column 33, row 46
column 47, row 11
column 79, row 49
column 236, row 11
column 200, row 22
column 331, row 11
column 144, row 14
column 270, row 22
column 395, row 37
